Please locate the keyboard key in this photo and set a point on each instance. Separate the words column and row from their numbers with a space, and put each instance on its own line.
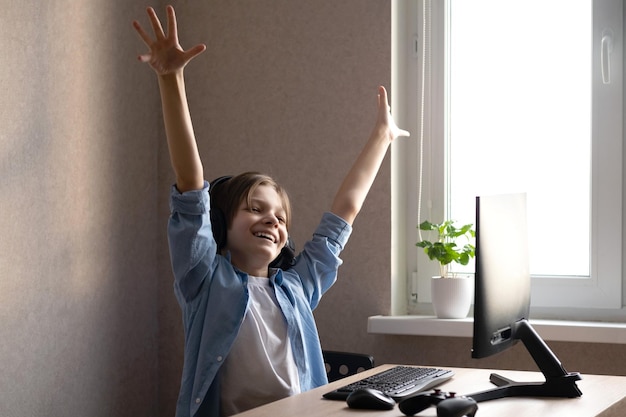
column 397, row 382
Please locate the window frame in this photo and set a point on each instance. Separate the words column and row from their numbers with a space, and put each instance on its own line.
column 410, row 294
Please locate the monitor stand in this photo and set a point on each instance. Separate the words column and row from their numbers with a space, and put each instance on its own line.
column 558, row 383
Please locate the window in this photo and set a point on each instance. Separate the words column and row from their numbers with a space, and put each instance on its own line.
column 533, row 92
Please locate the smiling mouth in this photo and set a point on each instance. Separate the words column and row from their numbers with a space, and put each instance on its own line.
column 265, row 236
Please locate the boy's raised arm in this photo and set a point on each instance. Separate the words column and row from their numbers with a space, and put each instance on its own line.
column 168, row 60
column 357, row 183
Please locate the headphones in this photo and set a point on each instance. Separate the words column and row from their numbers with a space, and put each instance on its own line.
column 219, row 225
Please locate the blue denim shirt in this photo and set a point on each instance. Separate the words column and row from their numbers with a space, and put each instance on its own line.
column 213, row 297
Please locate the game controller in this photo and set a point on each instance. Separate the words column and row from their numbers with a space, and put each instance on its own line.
column 448, row 404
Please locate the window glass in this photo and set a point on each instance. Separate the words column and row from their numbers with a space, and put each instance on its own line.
column 520, row 119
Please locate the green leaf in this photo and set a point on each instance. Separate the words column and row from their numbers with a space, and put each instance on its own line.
column 444, row 249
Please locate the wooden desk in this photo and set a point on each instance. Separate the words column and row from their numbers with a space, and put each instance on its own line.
column 602, row 396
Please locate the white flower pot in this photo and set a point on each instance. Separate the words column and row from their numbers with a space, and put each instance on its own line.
column 452, row 297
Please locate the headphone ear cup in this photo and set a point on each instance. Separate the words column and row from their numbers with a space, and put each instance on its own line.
column 217, row 216
column 287, row 256
column 218, row 226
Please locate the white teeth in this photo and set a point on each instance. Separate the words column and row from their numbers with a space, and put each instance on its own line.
column 265, row 235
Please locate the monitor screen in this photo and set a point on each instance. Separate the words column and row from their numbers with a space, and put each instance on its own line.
column 502, row 288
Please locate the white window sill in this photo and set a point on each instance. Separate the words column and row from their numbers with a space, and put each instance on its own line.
column 549, row 330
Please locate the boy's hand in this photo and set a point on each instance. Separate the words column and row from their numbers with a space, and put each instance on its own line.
column 357, row 183
column 385, row 120
column 166, row 55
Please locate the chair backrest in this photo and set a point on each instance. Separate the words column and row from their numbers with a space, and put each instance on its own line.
column 342, row 364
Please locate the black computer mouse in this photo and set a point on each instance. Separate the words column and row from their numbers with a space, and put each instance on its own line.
column 370, row 399
column 457, row 407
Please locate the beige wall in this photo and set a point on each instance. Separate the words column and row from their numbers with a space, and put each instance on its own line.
column 89, row 324
column 78, row 289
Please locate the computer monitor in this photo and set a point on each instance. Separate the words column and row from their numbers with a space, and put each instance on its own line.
column 502, row 300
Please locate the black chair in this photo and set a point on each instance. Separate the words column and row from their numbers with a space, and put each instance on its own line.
column 342, row 364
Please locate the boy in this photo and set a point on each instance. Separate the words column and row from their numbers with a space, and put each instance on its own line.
column 250, row 336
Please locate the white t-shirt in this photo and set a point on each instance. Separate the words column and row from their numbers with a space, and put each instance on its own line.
column 260, row 367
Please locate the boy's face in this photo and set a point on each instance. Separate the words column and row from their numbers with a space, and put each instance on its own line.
column 258, row 232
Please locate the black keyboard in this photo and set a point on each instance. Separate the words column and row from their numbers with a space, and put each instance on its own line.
column 397, row 382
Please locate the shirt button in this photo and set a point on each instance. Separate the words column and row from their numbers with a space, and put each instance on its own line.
column 219, row 358
column 198, row 400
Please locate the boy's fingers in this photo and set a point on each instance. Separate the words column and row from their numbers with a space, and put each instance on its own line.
column 144, row 57
column 156, row 24
column 405, row 133
column 196, row 50
column 142, row 33
column 382, row 94
column 172, row 30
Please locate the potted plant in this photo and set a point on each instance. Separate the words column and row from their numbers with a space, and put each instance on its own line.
column 451, row 294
